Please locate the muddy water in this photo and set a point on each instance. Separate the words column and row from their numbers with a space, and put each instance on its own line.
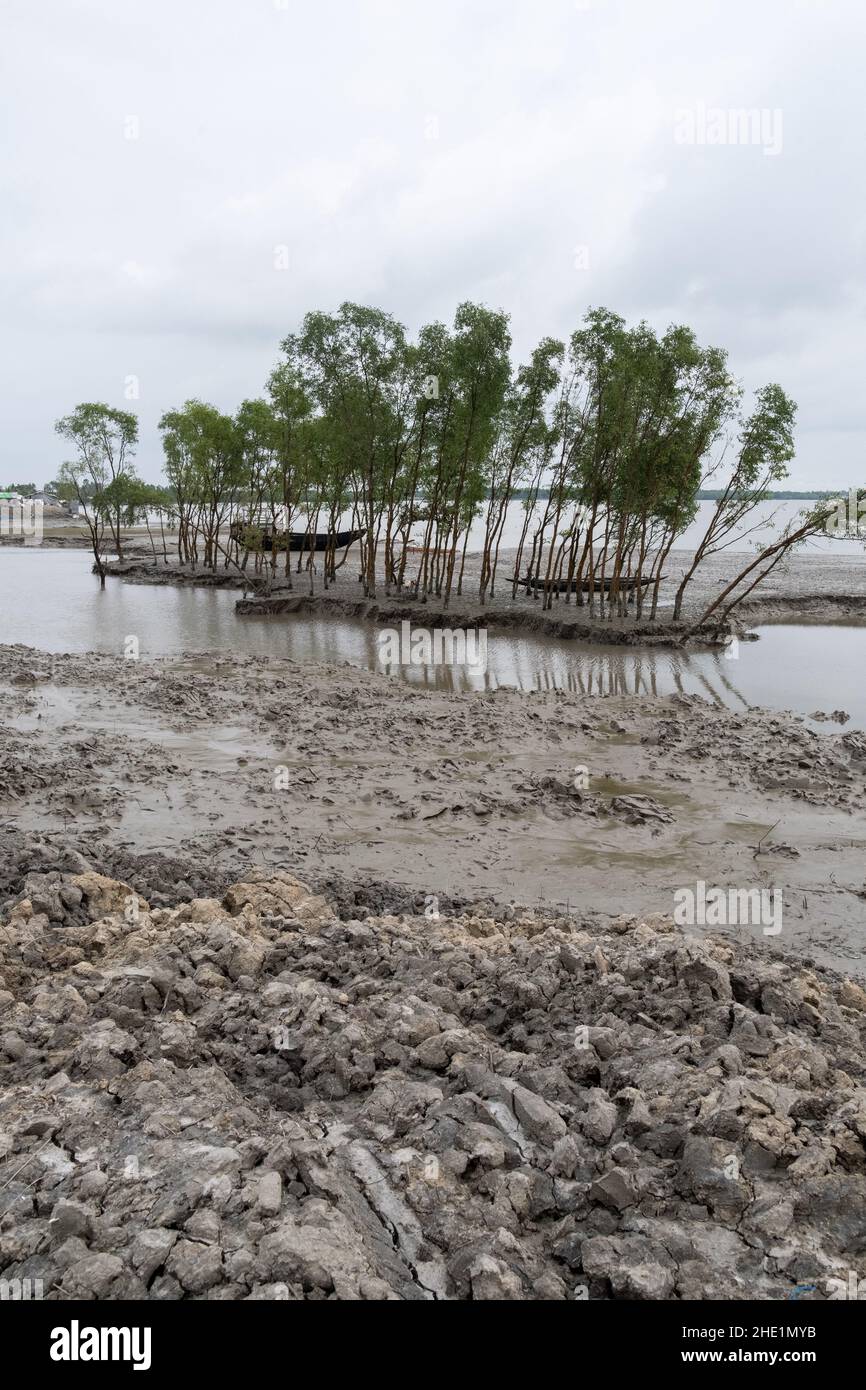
column 50, row 600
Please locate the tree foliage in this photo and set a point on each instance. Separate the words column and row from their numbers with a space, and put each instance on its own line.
column 604, row 442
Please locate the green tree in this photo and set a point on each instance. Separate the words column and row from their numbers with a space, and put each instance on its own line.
column 766, row 446
column 355, row 364
column 104, row 440
column 204, row 466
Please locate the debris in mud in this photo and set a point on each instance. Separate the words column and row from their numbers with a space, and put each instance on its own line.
column 571, row 799
column 838, row 716
column 776, row 753
column 640, row 810
column 248, row 1098
column 785, row 850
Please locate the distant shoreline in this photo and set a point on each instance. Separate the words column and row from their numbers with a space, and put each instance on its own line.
column 713, row 495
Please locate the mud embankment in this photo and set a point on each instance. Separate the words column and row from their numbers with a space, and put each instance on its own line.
column 796, row 608
column 807, row 588
column 279, row 597
column 462, row 617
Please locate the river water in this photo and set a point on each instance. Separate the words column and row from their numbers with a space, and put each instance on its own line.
column 764, row 524
column 50, row 600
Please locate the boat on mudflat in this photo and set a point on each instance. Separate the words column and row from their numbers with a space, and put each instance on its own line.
column 298, row 540
column 565, row 586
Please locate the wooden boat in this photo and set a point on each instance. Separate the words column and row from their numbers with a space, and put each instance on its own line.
column 563, row 586
column 298, row 540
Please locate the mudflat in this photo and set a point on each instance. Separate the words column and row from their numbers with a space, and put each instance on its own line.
column 390, row 793
column 317, row 985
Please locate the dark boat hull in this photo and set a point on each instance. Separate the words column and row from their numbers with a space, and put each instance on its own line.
column 564, row 586
column 300, row 540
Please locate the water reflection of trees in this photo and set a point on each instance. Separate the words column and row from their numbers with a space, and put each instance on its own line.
column 526, row 664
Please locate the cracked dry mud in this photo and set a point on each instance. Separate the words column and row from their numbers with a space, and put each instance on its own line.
column 252, row 1098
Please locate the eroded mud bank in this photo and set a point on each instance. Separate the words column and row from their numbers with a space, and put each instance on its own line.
column 808, row 587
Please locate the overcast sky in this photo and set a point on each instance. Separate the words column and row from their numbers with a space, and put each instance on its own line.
column 184, row 179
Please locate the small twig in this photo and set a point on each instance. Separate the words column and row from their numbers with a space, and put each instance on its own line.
column 763, row 838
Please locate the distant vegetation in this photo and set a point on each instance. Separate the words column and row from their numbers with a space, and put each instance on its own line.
column 710, row 495
column 609, row 442
column 25, row 489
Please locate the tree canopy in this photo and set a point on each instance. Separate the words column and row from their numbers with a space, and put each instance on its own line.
column 605, row 442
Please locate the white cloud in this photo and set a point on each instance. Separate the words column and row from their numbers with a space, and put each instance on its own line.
column 416, row 155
